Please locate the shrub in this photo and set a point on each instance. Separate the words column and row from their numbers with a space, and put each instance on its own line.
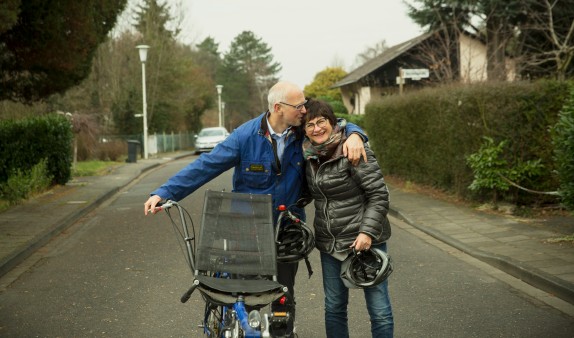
column 113, row 150
column 563, row 141
column 491, row 168
column 21, row 184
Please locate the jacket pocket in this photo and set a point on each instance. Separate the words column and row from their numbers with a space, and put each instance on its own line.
column 257, row 174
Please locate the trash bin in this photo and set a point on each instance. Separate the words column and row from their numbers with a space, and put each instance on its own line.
column 133, row 150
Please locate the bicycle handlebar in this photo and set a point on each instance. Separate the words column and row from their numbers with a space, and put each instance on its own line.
column 165, row 206
column 185, row 297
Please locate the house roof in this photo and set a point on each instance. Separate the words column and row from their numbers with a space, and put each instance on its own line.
column 380, row 60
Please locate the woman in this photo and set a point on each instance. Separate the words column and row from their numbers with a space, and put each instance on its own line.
column 351, row 205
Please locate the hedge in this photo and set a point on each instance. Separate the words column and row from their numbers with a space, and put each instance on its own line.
column 426, row 136
column 27, row 142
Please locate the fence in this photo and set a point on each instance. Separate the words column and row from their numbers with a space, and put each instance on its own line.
column 165, row 143
column 157, row 143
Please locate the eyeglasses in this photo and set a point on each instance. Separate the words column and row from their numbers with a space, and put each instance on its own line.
column 298, row 107
column 311, row 126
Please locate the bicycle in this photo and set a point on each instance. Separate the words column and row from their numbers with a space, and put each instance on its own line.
column 233, row 263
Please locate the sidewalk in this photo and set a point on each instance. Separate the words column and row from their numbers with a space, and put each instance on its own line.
column 514, row 247
column 25, row 228
column 517, row 248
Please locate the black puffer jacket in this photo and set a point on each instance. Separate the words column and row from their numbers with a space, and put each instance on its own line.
column 348, row 200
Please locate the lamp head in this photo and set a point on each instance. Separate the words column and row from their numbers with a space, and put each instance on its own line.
column 143, row 52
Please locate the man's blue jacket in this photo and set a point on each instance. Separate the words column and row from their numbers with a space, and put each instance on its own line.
column 250, row 149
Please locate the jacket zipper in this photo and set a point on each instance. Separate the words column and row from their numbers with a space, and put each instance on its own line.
column 315, row 183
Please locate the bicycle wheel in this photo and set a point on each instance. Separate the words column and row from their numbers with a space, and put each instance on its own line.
column 213, row 320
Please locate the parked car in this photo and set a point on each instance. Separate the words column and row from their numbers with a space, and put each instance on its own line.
column 208, row 138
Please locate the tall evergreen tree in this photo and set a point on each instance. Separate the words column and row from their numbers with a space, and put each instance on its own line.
column 208, row 57
column 248, row 72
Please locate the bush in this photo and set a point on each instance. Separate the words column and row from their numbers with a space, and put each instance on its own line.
column 356, row 119
column 491, row 170
column 21, row 184
column 563, row 141
column 113, row 150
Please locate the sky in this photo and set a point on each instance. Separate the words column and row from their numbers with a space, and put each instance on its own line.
column 305, row 36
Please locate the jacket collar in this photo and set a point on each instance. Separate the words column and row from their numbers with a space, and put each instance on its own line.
column 264, row 129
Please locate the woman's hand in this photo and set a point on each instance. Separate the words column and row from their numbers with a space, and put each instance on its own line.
column 362, row 242
column 354, row 148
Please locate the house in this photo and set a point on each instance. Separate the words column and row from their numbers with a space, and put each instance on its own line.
column 463, row 60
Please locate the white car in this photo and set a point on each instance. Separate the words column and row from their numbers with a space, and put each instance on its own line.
column 208, row 138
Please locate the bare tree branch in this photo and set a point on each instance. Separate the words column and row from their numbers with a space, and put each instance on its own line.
column 558, row 49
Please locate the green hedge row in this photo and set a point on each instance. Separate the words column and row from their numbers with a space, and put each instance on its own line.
column 426, row 136
column 27, row 142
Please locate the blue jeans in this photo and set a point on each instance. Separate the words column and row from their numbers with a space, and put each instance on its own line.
column 337, row 298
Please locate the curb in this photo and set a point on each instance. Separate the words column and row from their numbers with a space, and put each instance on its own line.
column 523, row 272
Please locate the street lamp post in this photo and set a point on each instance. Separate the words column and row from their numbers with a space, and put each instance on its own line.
column 223, row 113
column 143, row 57
column 219, row 88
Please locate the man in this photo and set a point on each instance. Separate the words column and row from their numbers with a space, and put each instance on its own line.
column 268, row 159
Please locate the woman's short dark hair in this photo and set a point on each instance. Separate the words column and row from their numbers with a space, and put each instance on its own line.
column 318, row 108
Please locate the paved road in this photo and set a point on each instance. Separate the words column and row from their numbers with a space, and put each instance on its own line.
column 117, row 273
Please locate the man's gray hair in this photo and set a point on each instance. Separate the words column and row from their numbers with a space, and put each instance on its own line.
column 279, row 92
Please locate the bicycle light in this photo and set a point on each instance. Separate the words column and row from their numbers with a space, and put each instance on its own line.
column 254, row 319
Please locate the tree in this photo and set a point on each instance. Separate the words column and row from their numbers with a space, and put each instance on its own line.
column 115, row 77
column 178, row 90
column 50, row 46
column 371, row 52
column 152, row 20
column 321, row 89
column 208, row 57
column 446, row 20
column 435, row 14
column 9, row 12
column 498, row 19
column 547, row 39
column 248, row 71
column 501, row 18
column 322, row 82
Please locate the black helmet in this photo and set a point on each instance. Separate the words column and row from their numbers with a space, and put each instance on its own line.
column 366, row 268
column 294, row 241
